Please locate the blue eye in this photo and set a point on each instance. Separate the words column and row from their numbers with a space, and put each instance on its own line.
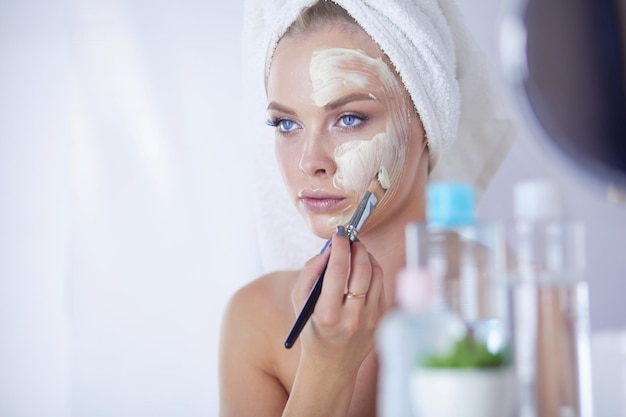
column 350, row 120
column 283, row 125
column 286, row 125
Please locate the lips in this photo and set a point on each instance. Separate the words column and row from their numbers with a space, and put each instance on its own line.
column 320, row 201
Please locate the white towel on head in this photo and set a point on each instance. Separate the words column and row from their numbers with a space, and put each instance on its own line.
column 413, row 34
column 442, row 68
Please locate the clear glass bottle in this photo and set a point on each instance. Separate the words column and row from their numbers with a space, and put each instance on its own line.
column 550, row 305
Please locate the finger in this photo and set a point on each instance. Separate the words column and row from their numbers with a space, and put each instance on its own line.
column 336, row 273
column 307, row 279
column 376, row 293
column 374, row 304
column 360, row 270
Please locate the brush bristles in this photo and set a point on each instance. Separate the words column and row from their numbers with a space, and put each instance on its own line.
column 380, row 184
column 376, row 189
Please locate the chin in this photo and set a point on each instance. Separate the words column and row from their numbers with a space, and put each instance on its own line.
column 323, row 232
column 324, row 227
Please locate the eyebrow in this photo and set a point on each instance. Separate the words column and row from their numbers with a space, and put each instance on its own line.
column 275, row 106
column 341, row 101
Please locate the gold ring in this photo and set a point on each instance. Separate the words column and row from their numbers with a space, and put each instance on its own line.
column 355, row 295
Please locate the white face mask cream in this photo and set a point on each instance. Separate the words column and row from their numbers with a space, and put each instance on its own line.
column 337, row 71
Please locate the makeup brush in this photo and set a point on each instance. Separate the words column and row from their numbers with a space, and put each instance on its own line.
column 375, row 192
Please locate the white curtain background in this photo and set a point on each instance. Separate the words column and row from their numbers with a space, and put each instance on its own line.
column 127, row 209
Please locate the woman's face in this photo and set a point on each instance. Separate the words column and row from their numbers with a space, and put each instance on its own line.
column 340, row 114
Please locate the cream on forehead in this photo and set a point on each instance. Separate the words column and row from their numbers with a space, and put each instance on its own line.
column 334, row 72
column 334, row 69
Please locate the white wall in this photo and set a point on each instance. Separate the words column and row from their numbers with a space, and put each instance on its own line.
column 124, row 214
column 34, row 194
column 124, row 217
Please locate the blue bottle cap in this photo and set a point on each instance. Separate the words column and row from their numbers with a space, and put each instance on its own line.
column 449, row 204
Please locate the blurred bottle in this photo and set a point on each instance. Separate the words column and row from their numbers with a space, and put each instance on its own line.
column 550, row 305
column 407, row 333
column 451, row 295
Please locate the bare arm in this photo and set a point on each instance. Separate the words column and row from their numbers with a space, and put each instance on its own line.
column 331, row 348
column 246, row 386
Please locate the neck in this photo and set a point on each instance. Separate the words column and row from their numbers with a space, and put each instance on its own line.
column 389, row 251
column 384, row 234
column 386, row 242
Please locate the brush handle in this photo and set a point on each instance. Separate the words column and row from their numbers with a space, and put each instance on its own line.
column 309, row 304
column 307, row 310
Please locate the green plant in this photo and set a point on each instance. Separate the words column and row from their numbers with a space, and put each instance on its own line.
column 466, row 353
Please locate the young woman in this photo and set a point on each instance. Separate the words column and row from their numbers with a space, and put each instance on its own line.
column 342, row 106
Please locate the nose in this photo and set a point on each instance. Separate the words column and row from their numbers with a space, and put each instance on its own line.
column 317, row 157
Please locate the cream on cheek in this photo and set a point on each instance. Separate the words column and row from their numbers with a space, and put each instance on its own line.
column 336, row 71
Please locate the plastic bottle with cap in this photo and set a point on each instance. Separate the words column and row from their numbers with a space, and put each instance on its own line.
column 450, row 204
column 451, row 223
column 420, row 321
column 405, row 334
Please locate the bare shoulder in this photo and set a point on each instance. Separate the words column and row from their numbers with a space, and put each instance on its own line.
column 263, row 301
column 256, row 320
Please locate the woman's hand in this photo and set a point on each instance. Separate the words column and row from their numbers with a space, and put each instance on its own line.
column 340, row 333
